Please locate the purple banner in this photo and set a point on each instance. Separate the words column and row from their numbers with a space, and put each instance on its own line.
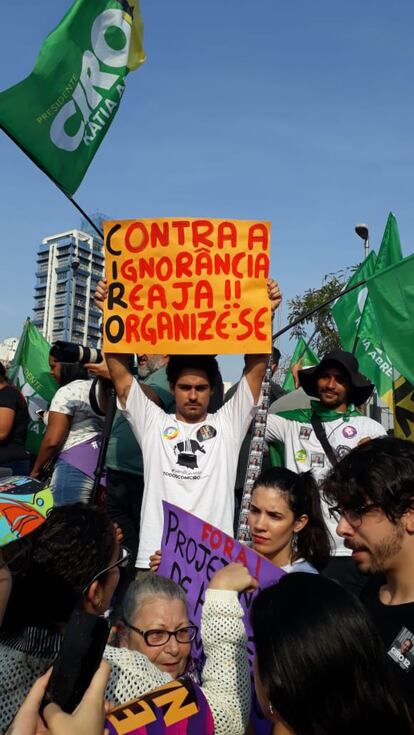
column 176, row 708
column 84, row 456
column 192, row 550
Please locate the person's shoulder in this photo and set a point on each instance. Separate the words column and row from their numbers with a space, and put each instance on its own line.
column 75, row 391
column 371, row 425
column 76, row 386
column 301, row 565
column 10, row 395
column 119, row 655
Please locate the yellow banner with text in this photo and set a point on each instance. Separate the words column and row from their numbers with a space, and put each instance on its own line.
column 187, row 286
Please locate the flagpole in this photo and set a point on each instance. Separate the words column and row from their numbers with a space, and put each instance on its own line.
column 307, row 343
column 317, row 308
column 363, row 232
column 79, row 208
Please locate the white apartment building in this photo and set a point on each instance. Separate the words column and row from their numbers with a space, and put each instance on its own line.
column 7, row 350
column 69, row 265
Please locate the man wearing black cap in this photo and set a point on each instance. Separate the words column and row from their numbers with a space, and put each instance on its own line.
column 317, row 438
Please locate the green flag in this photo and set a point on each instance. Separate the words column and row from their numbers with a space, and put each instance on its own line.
column 392, row 296
column 60, row 113
column 347, row 310
column 370, row 353
column 307, row 357
column 30, row 372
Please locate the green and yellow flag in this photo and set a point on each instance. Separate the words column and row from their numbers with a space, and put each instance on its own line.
column 61, row 112
column 30, row 373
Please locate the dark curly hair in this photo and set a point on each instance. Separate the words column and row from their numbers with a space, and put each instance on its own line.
column 73, row 545
column 302, row 496
column 178, row 363
column 379, row 471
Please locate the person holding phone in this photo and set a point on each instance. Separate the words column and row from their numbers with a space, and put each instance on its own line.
column 88, row 719
column 74, row 563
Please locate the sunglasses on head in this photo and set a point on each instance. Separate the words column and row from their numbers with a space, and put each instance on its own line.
column 121, row 562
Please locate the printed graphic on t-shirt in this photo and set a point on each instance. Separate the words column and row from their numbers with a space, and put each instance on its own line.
column 349, row 431
column 305, row 432
column 206, row 432
column 301, row 455
column 186, row 452
column 342, row 451
column 186, row 449
column 402, row 649
column 170, row 432
column 317, row 459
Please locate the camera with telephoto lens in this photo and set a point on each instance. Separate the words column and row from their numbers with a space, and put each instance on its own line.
column 71, row 352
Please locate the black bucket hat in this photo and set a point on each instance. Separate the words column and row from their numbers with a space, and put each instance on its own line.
column 361, row 388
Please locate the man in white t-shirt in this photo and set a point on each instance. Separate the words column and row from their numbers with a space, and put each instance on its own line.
column 190, row 457
column 339, row 387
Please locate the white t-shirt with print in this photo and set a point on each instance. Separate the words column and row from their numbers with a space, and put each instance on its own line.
column 304, row 452
column 73, row 400
column 192, row 466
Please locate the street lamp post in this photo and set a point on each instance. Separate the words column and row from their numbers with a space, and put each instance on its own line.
column 363, row 232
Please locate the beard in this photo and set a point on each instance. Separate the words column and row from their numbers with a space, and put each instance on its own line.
column 153, row 363
column 380, row 552
column 143, row 371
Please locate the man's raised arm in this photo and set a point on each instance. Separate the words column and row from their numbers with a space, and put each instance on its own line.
column 256, row 364
column 121, row 375
column 118, row 365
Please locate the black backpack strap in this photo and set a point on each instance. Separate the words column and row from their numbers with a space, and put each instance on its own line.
column 93, row 399
column 320, row 432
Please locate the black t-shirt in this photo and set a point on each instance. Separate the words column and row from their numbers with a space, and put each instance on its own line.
column 395, row 624
column 13, row 446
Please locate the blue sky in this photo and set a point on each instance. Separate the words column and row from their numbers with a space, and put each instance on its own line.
column 296, row 112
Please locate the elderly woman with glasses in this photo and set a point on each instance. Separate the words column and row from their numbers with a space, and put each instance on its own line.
column 73, row 561
column 155, row 622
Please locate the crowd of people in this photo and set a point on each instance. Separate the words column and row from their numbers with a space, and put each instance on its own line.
column 333, row 507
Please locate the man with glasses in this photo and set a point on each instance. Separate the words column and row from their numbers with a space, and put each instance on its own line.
column 371, row 493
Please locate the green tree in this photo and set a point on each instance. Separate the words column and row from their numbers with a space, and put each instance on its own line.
column 325, row 335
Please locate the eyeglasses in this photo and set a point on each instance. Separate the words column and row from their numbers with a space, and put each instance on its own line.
column 161, row 637
column 121, row 562
column 353, row 516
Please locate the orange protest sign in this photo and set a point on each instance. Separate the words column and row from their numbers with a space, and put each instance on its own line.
column 187, row 286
